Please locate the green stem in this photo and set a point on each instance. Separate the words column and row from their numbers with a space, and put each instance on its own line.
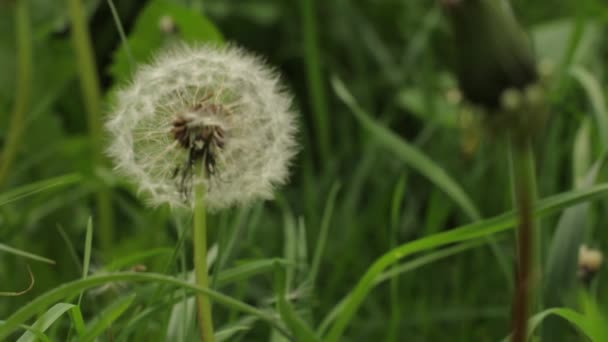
column 314, row 76
column 528, row 239
column 92, row 100
column 24, row 79
column 205, row 320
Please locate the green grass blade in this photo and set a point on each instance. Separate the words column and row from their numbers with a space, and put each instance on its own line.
column 107, row 317
column 130, row 259
column 88, row 245
column 36, row 187
column 248, row 270
column 465, row 233
column 323, row 232
column 46, row 320
column 393, row 232
column 70, row 246
column 28, row 255
column 227, row 333
column 22, row 292
column 299, row 328
column 562, row 260
column 582, row 323
column 77, row 321
column 595, row 93
column 396, row 271
column 73, row 288
column 409, row 154
column 314, row 74
column 121, row 33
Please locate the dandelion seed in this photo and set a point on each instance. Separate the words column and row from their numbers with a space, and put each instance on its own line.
column 204, row 114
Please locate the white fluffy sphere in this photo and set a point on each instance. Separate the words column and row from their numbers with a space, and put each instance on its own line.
column 208, row 114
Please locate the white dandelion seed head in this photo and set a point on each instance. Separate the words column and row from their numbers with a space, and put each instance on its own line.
column 219, row 110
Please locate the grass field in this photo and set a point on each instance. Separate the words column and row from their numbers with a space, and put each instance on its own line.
column 398, row 222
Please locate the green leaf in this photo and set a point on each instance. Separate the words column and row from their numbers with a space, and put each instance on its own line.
column 46, row 320
column 147, row 37
column 409, row 154
column 107, row 317
column 465, row 233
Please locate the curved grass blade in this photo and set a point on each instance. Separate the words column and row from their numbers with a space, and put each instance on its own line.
column 74, row 287
column 130, row 259
column 45, row 321
column 300, row 329
column 227, row 333
column 584, row 324
column 596, row 96
column 409, row 154
column 18, row 252
column 107, row 317
column 562, row 259
column 424, row 165
column 36, row 187
column 464, row 233
column 323, row 231
column 396, row 271
column 19, row 293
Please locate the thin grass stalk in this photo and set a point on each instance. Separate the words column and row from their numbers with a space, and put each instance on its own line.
column 205, row 320
column 121, row 33
column 89, row 81
column 524, row 197
column 23, row 93
column 316, row 86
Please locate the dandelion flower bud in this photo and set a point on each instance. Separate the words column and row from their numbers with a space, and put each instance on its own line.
column 493, row 51
column 206, row 114
column 589, row 263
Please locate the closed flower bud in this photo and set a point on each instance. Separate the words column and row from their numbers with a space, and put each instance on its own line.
column 494, row 53
column 589, row 263
column 206, row 114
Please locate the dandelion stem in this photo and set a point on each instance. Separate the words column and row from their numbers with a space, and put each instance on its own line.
column 92, row 99
column 524, row 194
column 205, row 321
column 24, row 77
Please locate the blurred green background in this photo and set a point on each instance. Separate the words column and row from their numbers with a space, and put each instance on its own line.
column 395, row 57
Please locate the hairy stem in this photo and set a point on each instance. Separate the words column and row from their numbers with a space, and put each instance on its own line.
column 524, row 196
column 24, row 79
column 205, row 321
column 92, row 99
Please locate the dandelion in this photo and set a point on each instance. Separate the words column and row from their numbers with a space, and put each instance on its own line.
column 203, row 127
column 218, row 109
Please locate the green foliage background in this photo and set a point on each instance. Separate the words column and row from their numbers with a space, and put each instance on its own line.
column 386, row 158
